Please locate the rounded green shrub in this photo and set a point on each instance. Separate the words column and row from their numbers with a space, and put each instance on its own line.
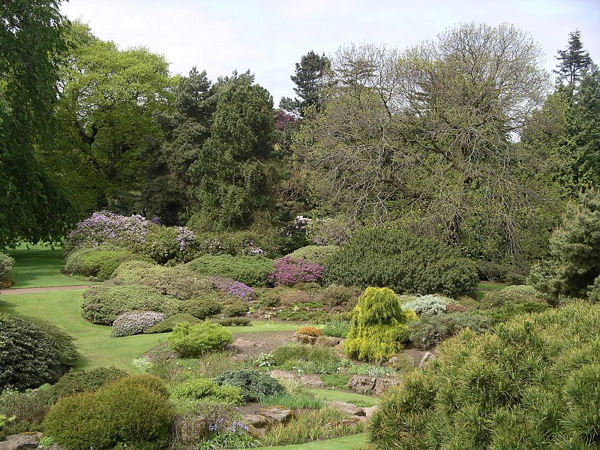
column 32, row 353
column 167, row 325
column 83, row 381
column 164, row 244
column 135, row 322
column 379, row 326
column 102, row 304
column 236, row 308
column 319, row 254
column 534, row 383
column 204, row 307
column 98, row 262
column 337, row 296
column 133, row 411
column 178, row 281
column 431, row 329
column 205, row 388
column 251, row 270
column 254, row 384
column 197, row 340
column 6, row 267
column 403, row 262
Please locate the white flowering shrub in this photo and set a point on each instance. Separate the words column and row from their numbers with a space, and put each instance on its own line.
column 135, row 322
column 427, row 304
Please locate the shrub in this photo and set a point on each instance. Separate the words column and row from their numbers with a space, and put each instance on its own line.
column 379, row 326
column 344, row 297
column 26, row 409
column 250, row 270
column 197, row 340
column 234, row 321
column 509, row 310
column 132, row 412
column 403, row 262
column 108, row 228
column 6, row 267
column 309, row 331
column 102, row 304
column 499, row 273
column 534, row 382
column 337, row 328
column 204, row 307
column 318, row 254
column 236, row 308
column 431, row 329
column 205, row 388
column 427, row 304
column 513, row 294
column 289, row 272
column 83, row 381
column 164, row 244
column 135, row 322
column 236, row 243
column 167, row 325
column 179, row 281
column 32, row 353
column 234, row 288
column 307, row 358
column 329, row 231
column 593, row 293
column 574, row 261
column 98, row 262
column 254, row 384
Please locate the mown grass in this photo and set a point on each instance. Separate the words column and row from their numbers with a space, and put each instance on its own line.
column 39, row 266
column 355, row 441
column 345, row 396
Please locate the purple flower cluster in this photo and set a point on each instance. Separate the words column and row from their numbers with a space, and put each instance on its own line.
column 155, row 219
column 282, row 120
column 216, row 425
column 235, row 288
column 105, row 227
column 239, row 426
column 289, row 271
column 185, row 238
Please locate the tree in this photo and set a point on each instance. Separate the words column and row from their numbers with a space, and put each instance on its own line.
column 31, row 42
column 573, row 62
column 233, row 176
column 310, row 80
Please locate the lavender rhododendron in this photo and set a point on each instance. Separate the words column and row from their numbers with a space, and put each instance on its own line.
column 289, row 271
column 235, row 288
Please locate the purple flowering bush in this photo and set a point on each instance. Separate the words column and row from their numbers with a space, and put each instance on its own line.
column 235, row 288
column 164, row 244
column 290, row 271
column 104, row 227
column 135, row 322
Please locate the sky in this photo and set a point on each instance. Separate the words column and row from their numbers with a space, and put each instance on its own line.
column 269, row 37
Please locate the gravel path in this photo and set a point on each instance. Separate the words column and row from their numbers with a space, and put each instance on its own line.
column 41, row 289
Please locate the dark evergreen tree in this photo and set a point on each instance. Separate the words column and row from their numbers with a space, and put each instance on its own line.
column 309, row 79
column 573, row 62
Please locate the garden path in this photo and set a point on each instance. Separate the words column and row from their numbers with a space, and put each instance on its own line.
column 35, row 290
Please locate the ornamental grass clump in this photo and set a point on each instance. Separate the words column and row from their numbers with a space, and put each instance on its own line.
column 290, row 271
column 379, row 326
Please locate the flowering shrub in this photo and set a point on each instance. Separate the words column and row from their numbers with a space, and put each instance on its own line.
column 108, row 228
column 135, row 322
column 170, row 243
column 427, row 304
column 289, row 271
column 6, row 266
column 309, row 331
column 235, row 288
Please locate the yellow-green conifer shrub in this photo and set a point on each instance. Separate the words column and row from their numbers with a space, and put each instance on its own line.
column 379, row 325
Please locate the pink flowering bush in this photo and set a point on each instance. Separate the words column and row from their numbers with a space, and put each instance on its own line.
column 289, row 271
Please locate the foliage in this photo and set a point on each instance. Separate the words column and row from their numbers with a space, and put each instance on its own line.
column 574, row 261
column 135, row 322
column 133, row 411
column 6, row 266
column 307, row 358
column 235, row 308
column 339, row 296
column 402, row 261
column 164, row 244
column 289, row 271
column 250, row 270
column 318, row 254
column 337, row 328
column 254, row 385
column 32, row 353
column 98, row 262
column 431, row 329
column 197, row 340
column 26, row 409
column 427, row 304
column 204, row 307
column 499, row 273
column 533, row 382
column 309, row 331
column 205, row 388
column 573, row 62
column 83, row 381
column 178, row 281
column 102, row 304
column 513, row 294
column 235, row 436
column 379, row 326
column 234, row 321
column 296, row 397
column 594, row 291
column 167, row 325
column 330, row 231
column 253, row 242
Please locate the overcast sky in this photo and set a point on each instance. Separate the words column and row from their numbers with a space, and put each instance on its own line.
column 268, row 37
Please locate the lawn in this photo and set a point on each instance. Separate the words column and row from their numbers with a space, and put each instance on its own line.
column 355, row 441
column 39, row 266
column 96, row 346
column 346, row 396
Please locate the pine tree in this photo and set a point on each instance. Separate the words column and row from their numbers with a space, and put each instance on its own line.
column 309, row 79
column 573, row 62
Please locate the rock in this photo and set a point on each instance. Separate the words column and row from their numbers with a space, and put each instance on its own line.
column 313, row 381
column 428, row 356
column 21, row 441
column 348, row 408
column 383, row 384
column 256, row 420
column 188, row 430
column 369, row 411
column 361, row 384
column 305, row 338
column 276, row 414
column 412, row 355
column 327, row 341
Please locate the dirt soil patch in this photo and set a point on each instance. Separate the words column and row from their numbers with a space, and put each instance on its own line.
column 253, row 344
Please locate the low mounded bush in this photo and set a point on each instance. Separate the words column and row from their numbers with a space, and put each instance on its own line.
column 99, row 262
column 178, row 281
column 513, row 294
column 309, row 331
column 135, row 322
column 427, row 304
column 32, row 353
column 404, row 262
column 205, row 388
column 318, row 254
column 254, row 384
column 204, row 307
column 534, row 383
column 196, row 340
column 167, row 325
column 431, row 329
column 164, row 244
column 235, row 308
column 83, row 381
column 289, row 271
column 250, row 270
column 133, row 412
column 379, row 326
column 336, row 328
column 336, row 296
column 6, row 267
column 234, row 321
column 102, row 304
